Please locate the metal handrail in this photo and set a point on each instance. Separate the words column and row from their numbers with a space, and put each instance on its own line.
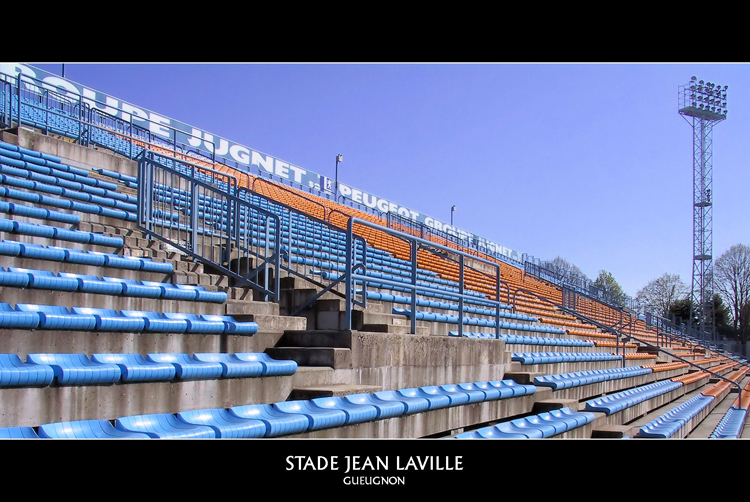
column 413, row 286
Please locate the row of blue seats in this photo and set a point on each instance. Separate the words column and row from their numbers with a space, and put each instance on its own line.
column 50, row 169
column 81, row 205
column 77, row 256
column 32, row 316
column 374, row 282
column 539, row 426
column 65, row 281
column 39, row 370
column 38, row 213
column 23, row 178
column 431, row 294
column 731, row 424
column 578, row 378
column 668, row 424
column 38, row 158
column 562, row 357
column 619, row 401
column 289, row 417
column 59, row 233
column 33, row 153
column 475, row 321
column 421, row 302
column 528, row 340
column 116, row 175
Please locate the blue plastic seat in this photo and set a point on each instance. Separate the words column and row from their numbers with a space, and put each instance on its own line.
column 355, row 413
column 494, row 432
column 320, row 418
column 164, row 425
column 56, row 317
column 77, row 369
column 188, row 368
column 385, row 408
column 509, row 388
column 225, row 424
column 435, row 399
column 17, row 433
column 172, row 292
column 473, row 395
column 38, row 252
column 45, row 279
column 136, row 368
column 16, row 373
column 12, row 318
column 132, row 287
column 271, row 367
column 111, row 320
column 93, row 284
column 277, row 423
column 413, row 404
column 156, row 322
column 203, row 295
column 197, row 325
column 233, row 367
column 87, row 429
column 13, row 279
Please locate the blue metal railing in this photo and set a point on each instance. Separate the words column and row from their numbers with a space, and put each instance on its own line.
column 192, row 208
column 352, row 276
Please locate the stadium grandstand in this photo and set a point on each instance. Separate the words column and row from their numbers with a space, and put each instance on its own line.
column 161, row 282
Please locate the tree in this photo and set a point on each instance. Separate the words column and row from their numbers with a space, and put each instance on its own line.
column 566, row 271
column 612, row 289
column 732, row 280
column 660, row 294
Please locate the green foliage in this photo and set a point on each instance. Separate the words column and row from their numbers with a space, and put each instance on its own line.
column 606, row 282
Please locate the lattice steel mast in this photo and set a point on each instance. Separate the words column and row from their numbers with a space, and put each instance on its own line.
column 706, row 104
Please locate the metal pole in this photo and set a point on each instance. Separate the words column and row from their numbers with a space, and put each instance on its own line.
column 339, row 158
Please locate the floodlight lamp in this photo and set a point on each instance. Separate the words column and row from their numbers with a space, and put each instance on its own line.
column 726, row 87
column 693, row 78
column 701, row 82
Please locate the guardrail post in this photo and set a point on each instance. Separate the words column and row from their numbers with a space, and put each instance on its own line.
column 414, row 246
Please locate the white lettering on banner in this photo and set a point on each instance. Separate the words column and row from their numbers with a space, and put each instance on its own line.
column 89, row 97
column 239, row 153
column 14, row 70
column 298, row 172
column 281, row 169
column 164, row 126
column 55, row 83
column 128, row 110
column 195, row 138
column 264, row 162
column 154, row 126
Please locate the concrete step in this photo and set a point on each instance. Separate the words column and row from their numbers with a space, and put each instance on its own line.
column 249, row 307
column 394, row 328
column 333, row 357
column 334, row 390
column 276, row 324
column 316, row 338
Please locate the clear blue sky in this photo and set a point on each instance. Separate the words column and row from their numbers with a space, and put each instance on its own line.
column 590, row 162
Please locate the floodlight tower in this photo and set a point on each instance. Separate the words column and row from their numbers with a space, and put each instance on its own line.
column 702, row 105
